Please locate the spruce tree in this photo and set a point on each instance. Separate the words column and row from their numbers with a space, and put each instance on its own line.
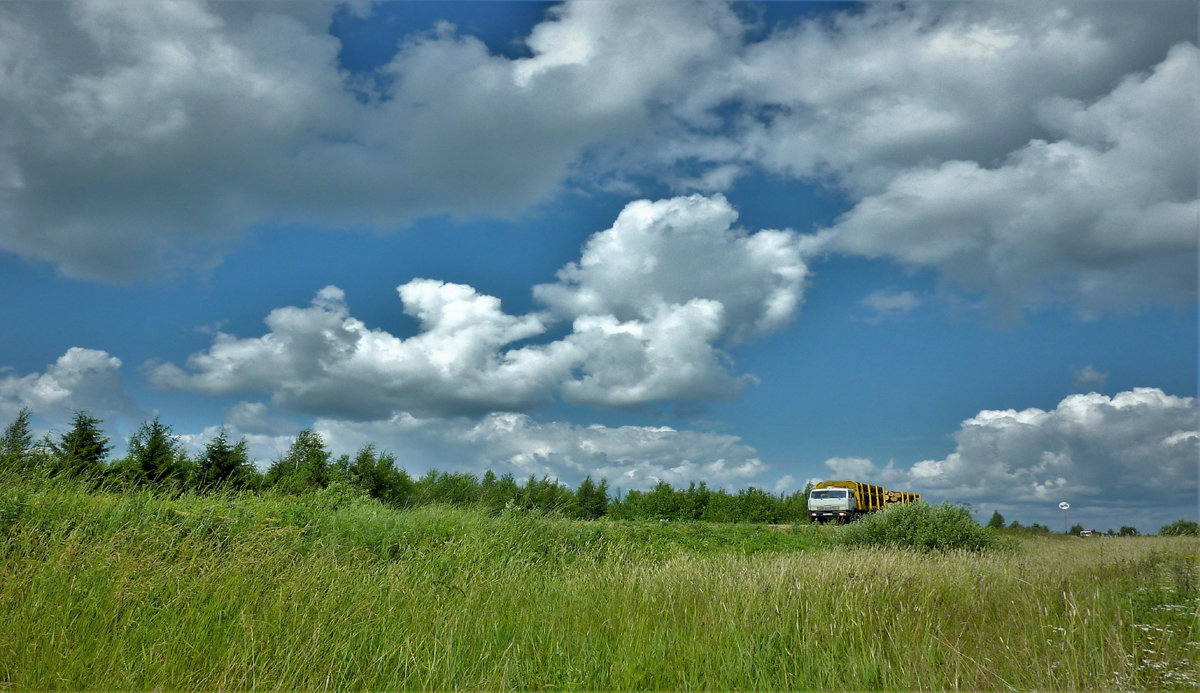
column 591, row 500
column 223, row 464
column 155, row 455
column 82, row 451
column 997, row 521
column 16, row 445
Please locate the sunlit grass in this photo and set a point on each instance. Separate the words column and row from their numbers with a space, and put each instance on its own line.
column 331, row 591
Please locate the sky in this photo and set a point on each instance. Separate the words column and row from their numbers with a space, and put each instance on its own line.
column 947, row 248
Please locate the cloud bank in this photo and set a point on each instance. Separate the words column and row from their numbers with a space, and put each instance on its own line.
column 651, row 304
column 1030, row 152
column 628, row 456
column 1135, row 450
column 80, row 379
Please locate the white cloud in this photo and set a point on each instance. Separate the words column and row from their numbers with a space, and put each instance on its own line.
column 143, row 134
column 255, row 418
column 506, row 442
column 874, row 93
column 319, row 360
column 889, row 304
column 655, row 336
column 1135, row 450
column 81, row 379
column 1089, row 377
column 137, row 135
column 669, row 252
column 1103, row 219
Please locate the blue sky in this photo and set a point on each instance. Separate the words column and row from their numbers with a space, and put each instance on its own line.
column 947, row 248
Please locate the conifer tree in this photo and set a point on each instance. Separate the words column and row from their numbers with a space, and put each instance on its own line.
column 16, row 445
column 155, row 455
column 224, row 464
column 591, row 500
column 997, row 521
column 82, row 451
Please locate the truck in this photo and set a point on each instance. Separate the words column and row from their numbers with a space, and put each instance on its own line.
column 845, row 501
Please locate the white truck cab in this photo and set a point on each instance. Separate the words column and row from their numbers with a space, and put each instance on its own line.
column 832, row 504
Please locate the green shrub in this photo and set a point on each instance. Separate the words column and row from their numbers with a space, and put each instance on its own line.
column 921, row 526
column 1180, row 528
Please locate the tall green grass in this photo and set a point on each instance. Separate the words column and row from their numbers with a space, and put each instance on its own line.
column 333, row 591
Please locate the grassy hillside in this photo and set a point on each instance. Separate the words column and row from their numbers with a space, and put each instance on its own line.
column 330, row 590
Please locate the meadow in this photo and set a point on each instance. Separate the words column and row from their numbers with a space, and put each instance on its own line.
column 334, row 590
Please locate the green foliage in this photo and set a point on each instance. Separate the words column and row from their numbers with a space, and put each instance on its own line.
column 921, row 526
column 1076, row 529
column 997, row 521
column 497, row 493
column 1127, row 531
column 222, row 465
column 458, row 488
column 1034, row 528
column 305, row 467
column 546, row 495
column 82, row 451
column 376, row 473
column 591, row 499
column 698, row 502
column 155, row 456
column 1181, row 528
column 16, row 445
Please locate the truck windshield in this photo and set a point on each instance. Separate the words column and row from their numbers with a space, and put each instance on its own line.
column 829, row 493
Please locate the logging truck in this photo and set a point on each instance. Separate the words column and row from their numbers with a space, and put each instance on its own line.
column 844, row 501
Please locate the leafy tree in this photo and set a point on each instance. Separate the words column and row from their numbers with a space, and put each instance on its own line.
column 82, row 451
column 758, row 506
column 1013, row 525
column 997, row 521
column 1180, row 528
column 306, row 465
column 155, row 455
column 1076, row 529
column 693, row 501
column 547, row 495
column 722, row 507
column 1127, row 531
column 222, row 464
column 591, row 499
column 376, row 473
column 16, row 445
column 795, row 507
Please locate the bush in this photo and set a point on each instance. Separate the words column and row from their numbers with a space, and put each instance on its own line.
column 1180, row 528
column 921, row 526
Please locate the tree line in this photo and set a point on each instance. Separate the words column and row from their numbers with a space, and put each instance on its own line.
column 156, row 458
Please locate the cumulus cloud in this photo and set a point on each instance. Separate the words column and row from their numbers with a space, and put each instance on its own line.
column 1093, row 450
column 669, row 252
column 983, row 139
column 256, row 418
column 320, row 360
column 142, row 134
column 628, row 456
column 657, row 336
column 1104, row 218
column 81, row 379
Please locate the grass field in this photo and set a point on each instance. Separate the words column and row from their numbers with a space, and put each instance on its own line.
column 107, row 590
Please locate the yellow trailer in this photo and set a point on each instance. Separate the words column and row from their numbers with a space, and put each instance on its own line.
column 843, row 501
